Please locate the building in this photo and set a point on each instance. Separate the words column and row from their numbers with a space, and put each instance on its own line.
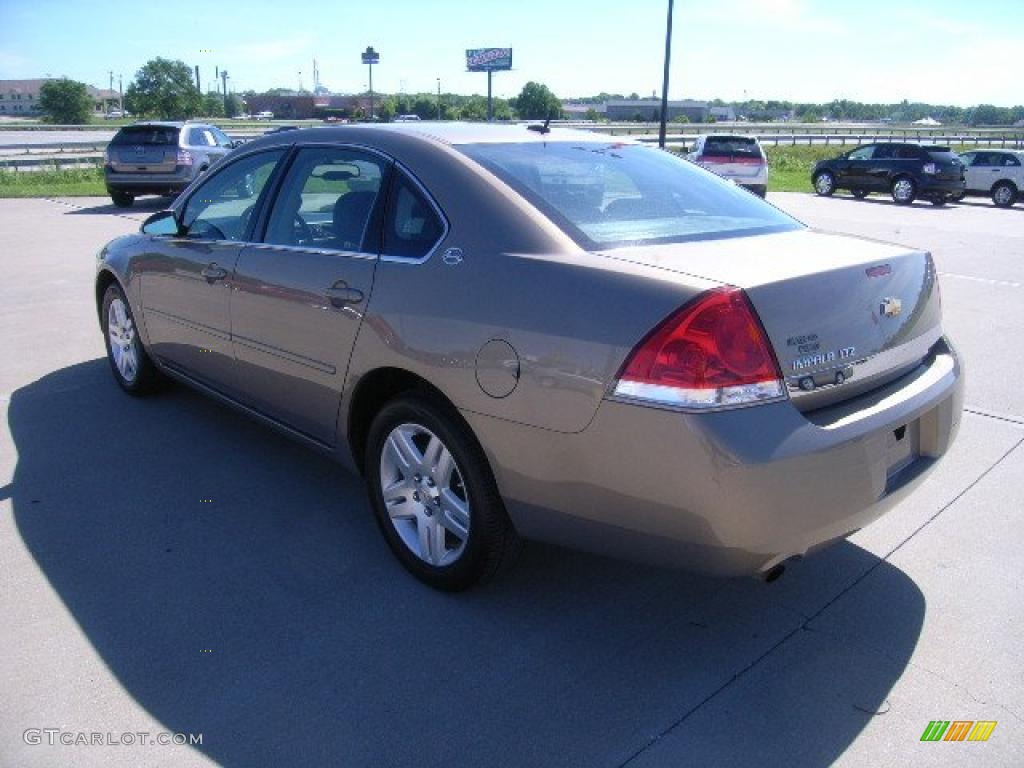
column 20, row 98
column 723, row 114
column 649, row 110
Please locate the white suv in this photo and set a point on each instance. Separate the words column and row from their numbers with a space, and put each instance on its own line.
column 995, row 172
column 739, row 158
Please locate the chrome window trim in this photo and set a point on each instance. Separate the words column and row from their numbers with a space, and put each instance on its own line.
column 445, row 227
column 321, row 251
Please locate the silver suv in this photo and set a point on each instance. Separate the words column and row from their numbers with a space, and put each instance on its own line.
column 160, row 158
column 738, row 158
column 998, row 173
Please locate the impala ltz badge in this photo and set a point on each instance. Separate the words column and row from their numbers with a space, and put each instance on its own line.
column 823, row 358
column 890, row 307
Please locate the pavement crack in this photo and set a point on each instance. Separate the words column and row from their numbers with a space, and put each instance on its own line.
column 805, row 624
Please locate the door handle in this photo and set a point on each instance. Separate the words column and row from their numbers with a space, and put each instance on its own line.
column 341, row 294
column 213, row 273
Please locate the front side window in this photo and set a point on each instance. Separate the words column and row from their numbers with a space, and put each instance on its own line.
column 610, row 195
column 221, row 208
column 327, row 199
column 863, row 153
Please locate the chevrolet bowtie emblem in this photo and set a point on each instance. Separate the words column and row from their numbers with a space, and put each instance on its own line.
column 890, row 307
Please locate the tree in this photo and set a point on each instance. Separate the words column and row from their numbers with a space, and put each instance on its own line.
column 386, row 109
column 65, row 102
column 165, row 89
column 235, row 105
column 536, row 102
column 213, row 105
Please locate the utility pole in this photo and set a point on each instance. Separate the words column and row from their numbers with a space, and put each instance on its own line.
column 490, row 104
column 199, row 85
column 224, row 80
column 439, row 98
column 120, row 94
column 664, row 81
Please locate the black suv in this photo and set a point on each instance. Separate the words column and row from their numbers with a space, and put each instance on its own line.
column 906, row 171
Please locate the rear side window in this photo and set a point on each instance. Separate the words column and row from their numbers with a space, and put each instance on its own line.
column 327, row 199
column 200, row 137
column 732, row 146
column 908, row 153
column 412, row 227
column 943, row 155
column 146, row 134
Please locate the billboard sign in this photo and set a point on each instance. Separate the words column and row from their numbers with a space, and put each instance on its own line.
column 370, row 56
column 488, row 59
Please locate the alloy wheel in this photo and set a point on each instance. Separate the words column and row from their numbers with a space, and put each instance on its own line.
column 122, row 338
column 424, row 494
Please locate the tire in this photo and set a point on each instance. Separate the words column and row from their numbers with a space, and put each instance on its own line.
column 443, row 517
column 122, row 199
column 824, row 183
column 133, row 369
column 939, row 200
column 860, row 194
column 903, row 190
column 1004, row 194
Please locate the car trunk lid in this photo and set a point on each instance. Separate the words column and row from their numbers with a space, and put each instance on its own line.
column 844, row 315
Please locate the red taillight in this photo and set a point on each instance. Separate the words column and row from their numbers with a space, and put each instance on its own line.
column 711, row 353
column 184, row 157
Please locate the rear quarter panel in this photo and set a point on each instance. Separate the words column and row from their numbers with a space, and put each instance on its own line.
column 571, row 316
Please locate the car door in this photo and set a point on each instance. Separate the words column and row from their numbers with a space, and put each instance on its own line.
column 185, row 277
column 852, row 171
column 299, row 295
column 983, row 171
column 878, row 171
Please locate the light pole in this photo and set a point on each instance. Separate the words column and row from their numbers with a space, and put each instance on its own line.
column 370, row 57
column 439, row 99
column 120, row 94
column 664, row 81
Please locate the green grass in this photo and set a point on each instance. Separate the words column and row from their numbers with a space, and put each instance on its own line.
column 69, row 182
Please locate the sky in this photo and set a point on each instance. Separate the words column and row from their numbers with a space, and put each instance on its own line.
column 936, row 51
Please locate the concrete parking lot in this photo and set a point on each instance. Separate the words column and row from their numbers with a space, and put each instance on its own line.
column 168, row 565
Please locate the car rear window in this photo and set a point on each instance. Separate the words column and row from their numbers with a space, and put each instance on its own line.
column 732, row 146
column 943, row 155
column 612, row 195
column 146, row 134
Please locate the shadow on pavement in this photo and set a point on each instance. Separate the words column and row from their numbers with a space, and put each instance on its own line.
column 236, row 585
column 145, row 205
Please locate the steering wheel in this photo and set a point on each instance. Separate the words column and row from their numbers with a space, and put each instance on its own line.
column 303, row 230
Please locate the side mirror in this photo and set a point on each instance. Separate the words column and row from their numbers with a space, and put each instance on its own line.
column 162, row 223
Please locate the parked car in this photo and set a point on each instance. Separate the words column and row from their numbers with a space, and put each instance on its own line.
column 516, row 332
column 739, row 158
column 998, row 173
column 265, row 115
column 407, row 118
column 116, row 114
column 905, row 171
column 160, row 158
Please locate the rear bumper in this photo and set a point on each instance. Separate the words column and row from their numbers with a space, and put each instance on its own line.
column 733, row 492
column 148, row 183
column 931, row 185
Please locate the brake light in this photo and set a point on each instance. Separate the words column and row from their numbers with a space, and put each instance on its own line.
column 184, row 157
column 930, row 168
column 711, row 353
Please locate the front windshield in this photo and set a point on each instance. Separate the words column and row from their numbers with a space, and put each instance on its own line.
column 612, row 195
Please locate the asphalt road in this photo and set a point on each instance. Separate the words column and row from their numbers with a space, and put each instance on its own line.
column 167, row 565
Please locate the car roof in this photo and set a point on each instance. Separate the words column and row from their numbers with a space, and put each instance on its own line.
column 455, row 133
column 163, row 123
